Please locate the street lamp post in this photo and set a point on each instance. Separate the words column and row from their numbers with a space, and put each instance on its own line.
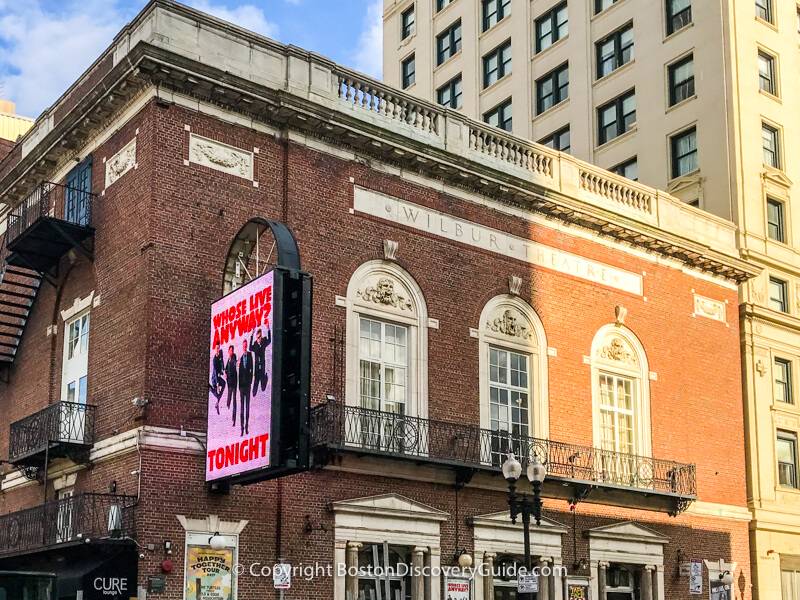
column 523, row 504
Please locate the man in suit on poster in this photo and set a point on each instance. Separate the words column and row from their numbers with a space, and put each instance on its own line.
column 231, row 376
column 259, row 348
column 217, row 385
column 245, row 381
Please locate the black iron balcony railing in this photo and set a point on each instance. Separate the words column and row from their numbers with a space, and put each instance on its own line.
column 51, row 200
column 335, row 426
column 58, row 427
column 81, row 518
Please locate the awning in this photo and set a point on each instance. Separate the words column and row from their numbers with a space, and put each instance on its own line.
column 101, row 573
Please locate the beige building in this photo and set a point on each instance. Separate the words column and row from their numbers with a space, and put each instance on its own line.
column 11, row 124
column 696, row 97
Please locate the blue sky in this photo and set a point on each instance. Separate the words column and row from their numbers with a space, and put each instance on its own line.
column 46, row 44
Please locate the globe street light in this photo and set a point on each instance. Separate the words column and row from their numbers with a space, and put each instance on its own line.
column 523, row 504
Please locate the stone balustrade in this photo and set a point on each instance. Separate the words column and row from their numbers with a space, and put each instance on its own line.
column 407, row 121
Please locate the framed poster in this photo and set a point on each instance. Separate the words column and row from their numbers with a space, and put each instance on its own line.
column 695, row 577
column 209, row 573
column 719, row 591
column 577, row 588
column 457, row 587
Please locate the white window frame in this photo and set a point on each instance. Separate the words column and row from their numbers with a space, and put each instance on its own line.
column 616, row 410
column 384, row 364
column 636, row 369
column 413, row 314
column 83, row 337
column 534, row 346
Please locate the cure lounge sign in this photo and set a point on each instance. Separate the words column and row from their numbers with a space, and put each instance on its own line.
column 493, row 240
column 111, row 587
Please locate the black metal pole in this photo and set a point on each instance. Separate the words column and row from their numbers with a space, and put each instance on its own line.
column 537, row 502
column 526, row 533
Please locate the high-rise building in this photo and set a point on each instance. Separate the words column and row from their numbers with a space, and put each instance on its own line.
column 698, row 98
column 12, row 125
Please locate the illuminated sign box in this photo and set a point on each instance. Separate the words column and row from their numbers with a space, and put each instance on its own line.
column 259, row 371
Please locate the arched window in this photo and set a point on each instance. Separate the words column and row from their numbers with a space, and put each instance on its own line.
column 621, row 397
column 251, row 254
column 513, row 375
column 387, row 341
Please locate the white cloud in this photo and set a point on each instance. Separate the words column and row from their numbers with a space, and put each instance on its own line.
column 248, row 16
column 368, row 57
column 43, row 52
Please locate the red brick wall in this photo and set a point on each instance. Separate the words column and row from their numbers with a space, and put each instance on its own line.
column 163, row 233
column 5, row 147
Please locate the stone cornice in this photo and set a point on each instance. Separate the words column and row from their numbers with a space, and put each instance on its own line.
column 287, row 87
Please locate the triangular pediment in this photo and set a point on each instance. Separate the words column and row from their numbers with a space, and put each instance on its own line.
column 627, row 531
column 777, row 177
column 685, row 182
column 502, row 520
column 390, row 505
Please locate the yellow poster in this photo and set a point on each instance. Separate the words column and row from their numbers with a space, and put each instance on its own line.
column 209, row 573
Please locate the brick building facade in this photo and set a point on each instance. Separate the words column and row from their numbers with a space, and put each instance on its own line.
column 499, row 296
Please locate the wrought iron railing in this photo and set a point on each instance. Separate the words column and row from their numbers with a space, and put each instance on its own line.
column 84, row 517
column 50, row 200
column 334, row 425
column 62, row 422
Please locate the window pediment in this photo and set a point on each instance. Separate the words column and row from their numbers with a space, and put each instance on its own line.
column 389, row 505
column 627, row 531
column 776, row 177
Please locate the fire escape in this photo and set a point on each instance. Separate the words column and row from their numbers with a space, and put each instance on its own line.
column 52, row 221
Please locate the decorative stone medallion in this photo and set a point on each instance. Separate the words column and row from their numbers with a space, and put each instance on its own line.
column 509, row 323
column 122, row 162
column 618, row 350
column 221, row 157
column 708, row 308
column 383, row 292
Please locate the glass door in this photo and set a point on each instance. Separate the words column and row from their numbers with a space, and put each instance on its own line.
column 74, row 376
column 509, row 404
column 617, row 420
column 383, row 372
column 64, row 515
column 76, row 200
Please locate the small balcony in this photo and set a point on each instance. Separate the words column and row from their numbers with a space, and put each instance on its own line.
column 574, row 472
column 79, row 519
column 51, row 221
column 62, row 430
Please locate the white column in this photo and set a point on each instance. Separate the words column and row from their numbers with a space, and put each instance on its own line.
column 647, row 582
column 339, row 558
column 658, row 582
column 544, row 580
column 417, row 580
column 435, row 581
column 351, row 581
column 488, row 581
column 558, row 582
column 601, row 580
